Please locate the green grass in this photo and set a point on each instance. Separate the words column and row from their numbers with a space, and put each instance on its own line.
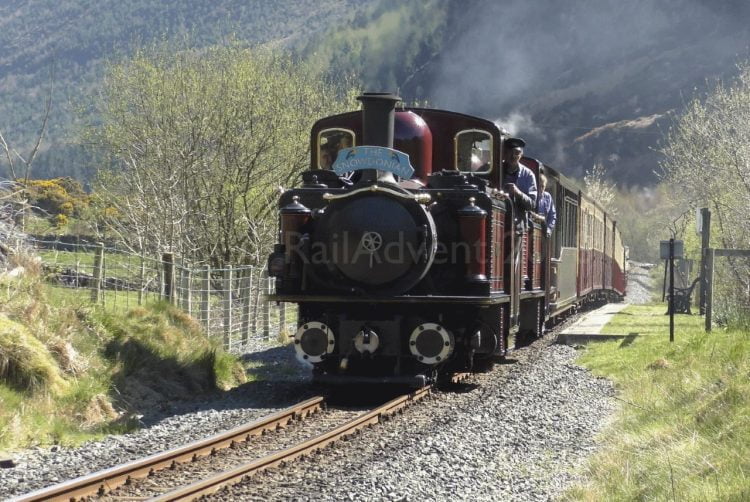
column 683, row 430
column 114, row 301
column 72, row 371
column 648, row 320
column 121, row 266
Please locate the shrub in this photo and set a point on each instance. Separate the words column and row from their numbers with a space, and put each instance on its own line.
column 58, row 196
column 61, row 220
column 25, row 363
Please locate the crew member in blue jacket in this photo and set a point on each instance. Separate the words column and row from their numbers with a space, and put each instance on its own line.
column 545, row 208
column 519, row 182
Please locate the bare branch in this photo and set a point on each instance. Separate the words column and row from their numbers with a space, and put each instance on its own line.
column 9, row 157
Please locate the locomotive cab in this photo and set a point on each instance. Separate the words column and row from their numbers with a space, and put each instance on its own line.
column 411, row 135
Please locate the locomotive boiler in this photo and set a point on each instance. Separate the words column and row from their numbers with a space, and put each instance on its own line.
column 398, row 248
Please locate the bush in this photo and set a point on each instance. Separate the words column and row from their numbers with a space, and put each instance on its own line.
column 165, row 347
column 61, row 220
column 25, row 363
column 58, row 196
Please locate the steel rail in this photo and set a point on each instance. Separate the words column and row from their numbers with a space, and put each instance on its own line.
column 214, row 483
column 106, row 480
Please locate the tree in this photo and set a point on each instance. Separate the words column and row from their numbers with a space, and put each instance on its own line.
column 12, row 155
column 19, row 197
column 707, row 155
column 600, row 189
column 707, row 163
column 199, row 143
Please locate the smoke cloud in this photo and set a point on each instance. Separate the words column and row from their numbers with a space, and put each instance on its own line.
column 551, row 71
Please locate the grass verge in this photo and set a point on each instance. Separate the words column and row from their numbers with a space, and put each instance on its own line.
column 683, row 432
column 71, row 372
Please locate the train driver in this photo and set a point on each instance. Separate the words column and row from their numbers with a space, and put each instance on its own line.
column 519, row 181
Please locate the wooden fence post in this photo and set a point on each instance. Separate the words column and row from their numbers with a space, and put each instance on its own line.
column 247, row 303
column 265, row 283
column 142, row 280
column 205, row 313
column 705, row 244
column 256, row 306
column 96, row 292
column 228, row 307
column 187, row 290
column 169, row 277
column 282, row 320
column 709, row 287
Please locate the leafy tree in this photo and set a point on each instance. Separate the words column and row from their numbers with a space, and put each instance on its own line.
column 199, row 143
column 707, row 163
column 643, row 216
column 77, row 37
column 599, row 188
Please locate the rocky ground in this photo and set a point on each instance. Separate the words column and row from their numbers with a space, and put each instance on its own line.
column 639, row 282
column 520, row 432
column 279, row 383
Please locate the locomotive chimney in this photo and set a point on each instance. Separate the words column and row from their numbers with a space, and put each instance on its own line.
column 378, row 113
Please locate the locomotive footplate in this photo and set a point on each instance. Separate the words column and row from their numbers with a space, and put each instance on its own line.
column 486, row 300
column 532, row 294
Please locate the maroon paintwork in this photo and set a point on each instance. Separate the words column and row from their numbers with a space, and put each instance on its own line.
column 430, row 148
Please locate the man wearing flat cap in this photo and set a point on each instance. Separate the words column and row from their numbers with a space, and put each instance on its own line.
column 519, row 185
column 519, row 182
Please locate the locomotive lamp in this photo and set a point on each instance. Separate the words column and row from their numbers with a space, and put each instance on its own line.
column 293, row 218
column 313, row 341
column 431, row 343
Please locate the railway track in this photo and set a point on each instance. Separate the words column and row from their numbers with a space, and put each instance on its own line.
column 229, row 457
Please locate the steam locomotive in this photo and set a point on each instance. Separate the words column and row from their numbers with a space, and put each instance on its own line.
column 400, row 248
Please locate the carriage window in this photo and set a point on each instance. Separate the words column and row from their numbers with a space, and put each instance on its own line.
column 330, row 141
column 473, row 151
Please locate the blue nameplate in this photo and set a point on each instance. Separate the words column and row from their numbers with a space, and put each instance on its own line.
column 373, row 157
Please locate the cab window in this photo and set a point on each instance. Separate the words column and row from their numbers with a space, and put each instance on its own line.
column 473, row 149
column 330, row 141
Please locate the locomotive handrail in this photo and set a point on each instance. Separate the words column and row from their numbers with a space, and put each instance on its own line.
column 421, row 198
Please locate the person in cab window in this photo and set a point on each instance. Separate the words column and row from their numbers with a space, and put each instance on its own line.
column 519, row 182
column 343, row 142
column 545, row 208
column 479, row 159
column 325, row 158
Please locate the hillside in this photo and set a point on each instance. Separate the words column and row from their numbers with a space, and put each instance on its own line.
column 63, row 45
column 584, row 82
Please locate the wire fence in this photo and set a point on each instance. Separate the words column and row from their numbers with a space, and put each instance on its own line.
column 230, row 303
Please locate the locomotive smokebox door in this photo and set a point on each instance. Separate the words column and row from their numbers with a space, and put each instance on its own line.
column 374, row 242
